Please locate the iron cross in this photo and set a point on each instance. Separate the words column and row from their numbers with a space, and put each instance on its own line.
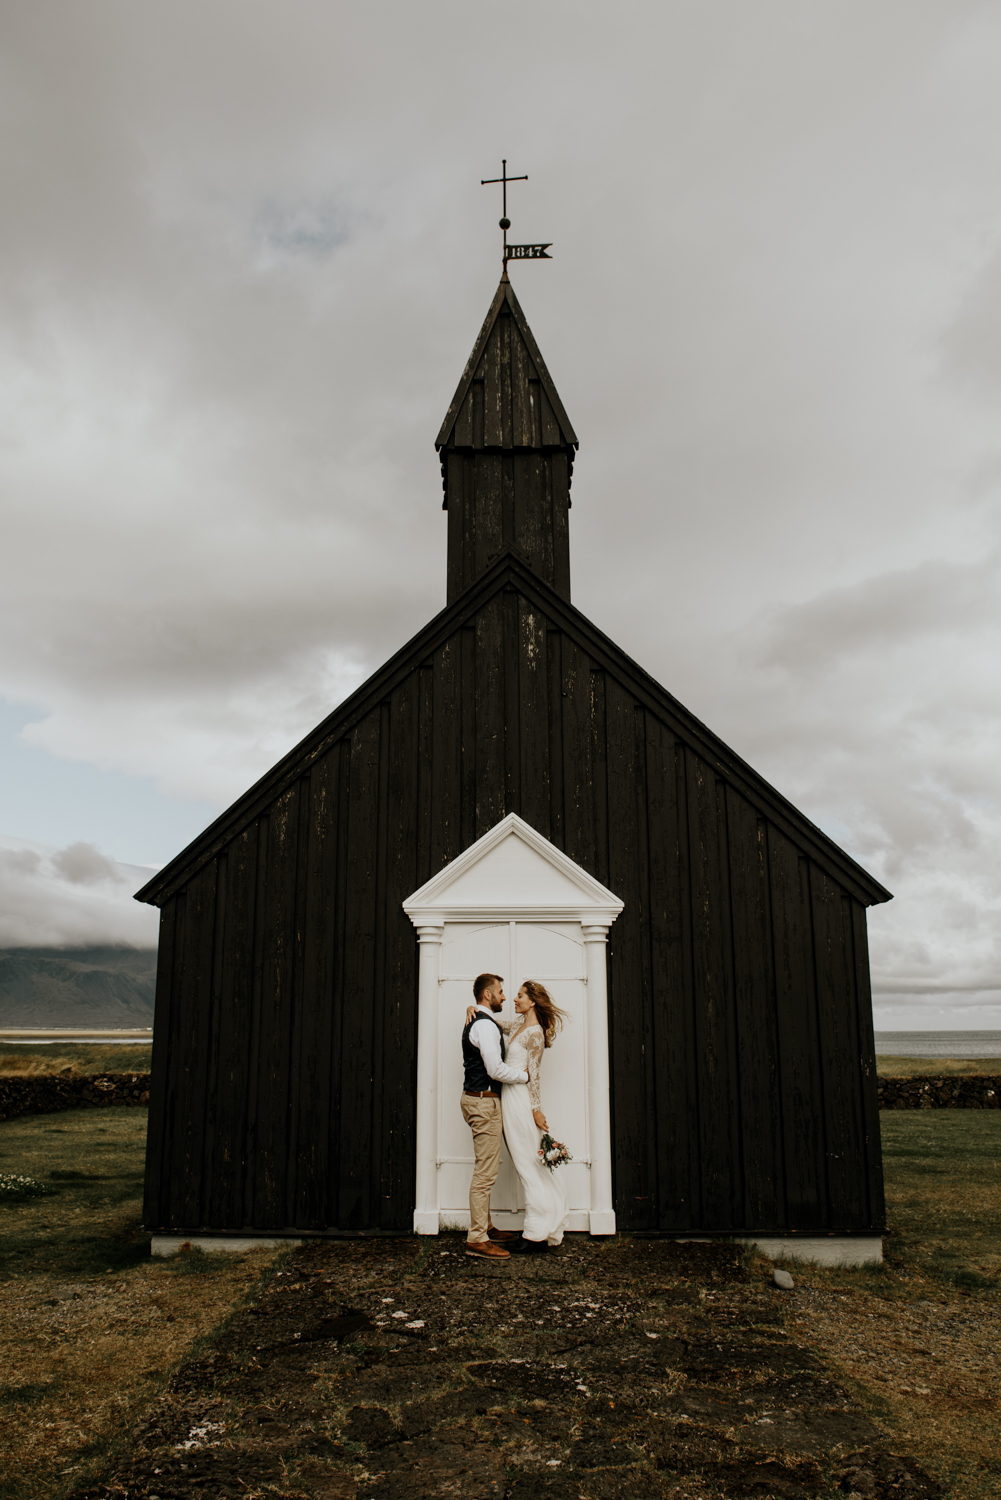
column 514, row 252
column 504, row 179
column 505, row 222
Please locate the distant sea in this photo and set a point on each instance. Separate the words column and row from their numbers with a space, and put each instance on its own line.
column 938, row 1043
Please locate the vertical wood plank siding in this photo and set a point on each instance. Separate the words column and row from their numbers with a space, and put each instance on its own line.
column 283, row 1074
column 498, row 499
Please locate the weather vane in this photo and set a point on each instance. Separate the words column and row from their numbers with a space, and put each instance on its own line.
column 514, row 252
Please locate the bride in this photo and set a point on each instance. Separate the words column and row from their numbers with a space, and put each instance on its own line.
column 546, row 1203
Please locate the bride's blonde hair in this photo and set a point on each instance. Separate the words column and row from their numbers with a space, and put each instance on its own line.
column 550, row 1018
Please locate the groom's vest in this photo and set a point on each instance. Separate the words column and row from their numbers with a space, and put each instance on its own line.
column 475, row 1076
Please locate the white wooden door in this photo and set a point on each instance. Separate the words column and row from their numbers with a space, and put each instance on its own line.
column 551, row 952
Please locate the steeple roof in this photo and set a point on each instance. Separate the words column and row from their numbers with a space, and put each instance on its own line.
column 506, row 397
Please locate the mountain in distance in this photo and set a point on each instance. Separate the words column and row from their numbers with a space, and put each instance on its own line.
column 50, row 987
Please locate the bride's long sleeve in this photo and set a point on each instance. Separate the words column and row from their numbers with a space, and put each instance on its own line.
column 534, row 1047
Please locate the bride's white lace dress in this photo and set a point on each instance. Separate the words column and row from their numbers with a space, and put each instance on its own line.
column 546, row 1204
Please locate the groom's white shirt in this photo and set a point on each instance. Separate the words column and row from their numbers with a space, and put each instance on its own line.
column 484, row 1035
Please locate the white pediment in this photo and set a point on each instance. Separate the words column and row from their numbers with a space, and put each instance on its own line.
column 512, row 871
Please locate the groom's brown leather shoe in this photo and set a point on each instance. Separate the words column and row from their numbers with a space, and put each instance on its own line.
column 486, row 1250
column 500, row 1235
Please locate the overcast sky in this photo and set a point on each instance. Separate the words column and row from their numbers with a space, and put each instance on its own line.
column 244, row 257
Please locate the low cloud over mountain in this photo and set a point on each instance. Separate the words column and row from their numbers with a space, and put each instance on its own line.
column 75, row 897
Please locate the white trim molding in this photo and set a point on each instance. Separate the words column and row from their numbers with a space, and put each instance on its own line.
column 429, row 935
column 579, row 898
column 598, row 1083
column 509, row 888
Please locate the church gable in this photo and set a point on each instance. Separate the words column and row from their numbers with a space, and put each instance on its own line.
column 511, row 701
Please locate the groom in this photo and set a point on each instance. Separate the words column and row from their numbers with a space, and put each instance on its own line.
column 484, row 1073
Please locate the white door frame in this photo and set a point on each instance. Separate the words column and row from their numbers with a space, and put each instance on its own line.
column 575, row 897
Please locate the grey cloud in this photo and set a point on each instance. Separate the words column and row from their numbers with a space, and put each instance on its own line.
column 84, row 864
column 894, row 608
column 21, row 861
column 70, row 897
column 309, row 228
column 971, row 344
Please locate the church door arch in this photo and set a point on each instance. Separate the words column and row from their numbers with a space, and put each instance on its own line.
column 513, row 904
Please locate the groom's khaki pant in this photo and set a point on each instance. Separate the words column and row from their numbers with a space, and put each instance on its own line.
column 483, row 1116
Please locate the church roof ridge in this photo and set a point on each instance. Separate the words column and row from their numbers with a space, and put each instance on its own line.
column 509, row 566
column 505, row 296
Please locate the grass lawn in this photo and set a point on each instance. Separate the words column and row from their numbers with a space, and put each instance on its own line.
column 90, row 1326
column 943, row 1189
column 918, row 1339
column 76, row 1058
column 937, row 1067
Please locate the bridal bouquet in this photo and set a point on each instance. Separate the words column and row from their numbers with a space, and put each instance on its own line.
column 553, row 1153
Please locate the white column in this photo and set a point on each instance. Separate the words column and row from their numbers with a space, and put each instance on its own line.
column 602, row 1216
column 429, row 936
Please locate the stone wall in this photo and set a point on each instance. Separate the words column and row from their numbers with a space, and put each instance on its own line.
column 39, row 1094
column 940, row 1093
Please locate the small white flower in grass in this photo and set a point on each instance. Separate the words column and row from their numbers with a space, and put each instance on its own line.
column 197, row 1436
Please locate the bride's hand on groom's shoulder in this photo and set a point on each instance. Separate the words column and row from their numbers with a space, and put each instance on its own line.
column 470, row 1013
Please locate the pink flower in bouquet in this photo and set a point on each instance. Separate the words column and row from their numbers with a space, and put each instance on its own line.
column 552, row 1153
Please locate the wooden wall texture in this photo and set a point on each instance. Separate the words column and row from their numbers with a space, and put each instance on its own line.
column 744, row 1091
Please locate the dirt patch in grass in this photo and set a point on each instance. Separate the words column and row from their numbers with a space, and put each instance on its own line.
column 918, row 1067
column 75, row 1059
column 398, row 1370
column 90, row 1327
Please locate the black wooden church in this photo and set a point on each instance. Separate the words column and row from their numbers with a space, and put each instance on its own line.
column 742, row 1077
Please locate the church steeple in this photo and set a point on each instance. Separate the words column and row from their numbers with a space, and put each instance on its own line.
column 507, row 451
